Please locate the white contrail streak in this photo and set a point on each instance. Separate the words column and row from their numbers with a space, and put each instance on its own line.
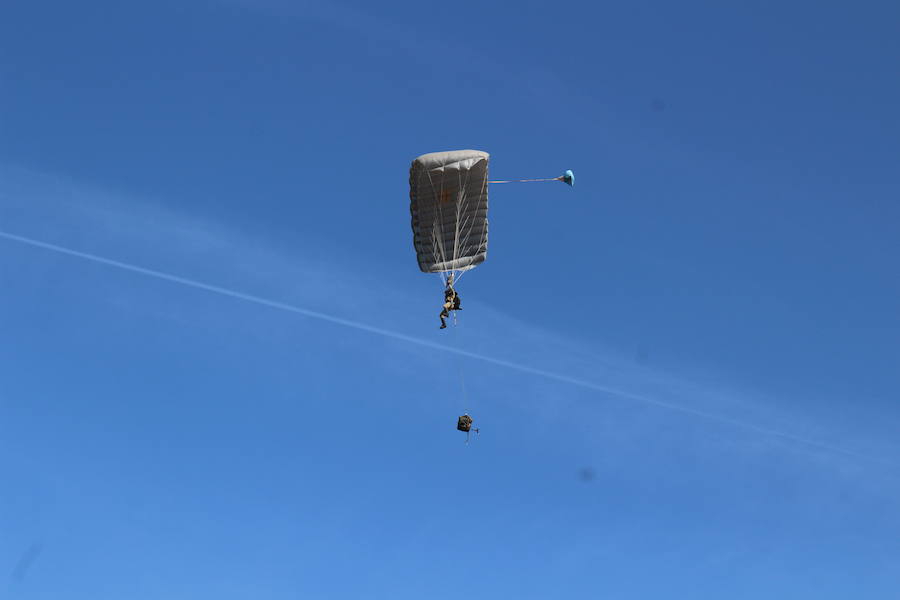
column 583, row 383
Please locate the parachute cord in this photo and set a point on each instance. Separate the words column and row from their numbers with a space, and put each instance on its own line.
column 455, row 341
column 457, row 275
column 459, row 369
column 527, row 180
column 462, row 378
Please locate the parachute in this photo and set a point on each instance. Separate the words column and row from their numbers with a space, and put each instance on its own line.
column 448, row 193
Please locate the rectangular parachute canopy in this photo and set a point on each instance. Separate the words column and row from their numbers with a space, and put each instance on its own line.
column 448, row 194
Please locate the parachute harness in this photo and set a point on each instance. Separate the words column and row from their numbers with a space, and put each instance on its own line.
column 456, row 358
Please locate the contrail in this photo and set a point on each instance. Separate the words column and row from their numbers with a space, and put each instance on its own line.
column 583, row 383
column 26, row 561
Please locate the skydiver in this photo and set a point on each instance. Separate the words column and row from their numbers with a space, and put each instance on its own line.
column 451, row 302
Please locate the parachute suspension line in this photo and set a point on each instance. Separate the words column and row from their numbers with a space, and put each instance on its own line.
column 560, row 178
column 459, row 369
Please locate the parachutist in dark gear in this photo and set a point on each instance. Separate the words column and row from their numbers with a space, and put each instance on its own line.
column 451, row 302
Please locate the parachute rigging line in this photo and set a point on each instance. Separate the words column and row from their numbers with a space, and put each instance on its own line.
column 461, row 372
column 526, row 180
column 568, row 178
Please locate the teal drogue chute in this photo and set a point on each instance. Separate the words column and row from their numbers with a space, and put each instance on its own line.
column 448, row 194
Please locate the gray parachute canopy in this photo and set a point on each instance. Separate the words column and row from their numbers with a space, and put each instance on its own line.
column 448, row 193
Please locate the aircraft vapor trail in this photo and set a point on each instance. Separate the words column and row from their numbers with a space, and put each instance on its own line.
column 583, row 383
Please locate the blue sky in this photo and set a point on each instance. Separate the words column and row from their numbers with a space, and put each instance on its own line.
column 685, row 368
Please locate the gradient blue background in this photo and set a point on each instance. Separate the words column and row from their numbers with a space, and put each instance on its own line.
column 722, row 287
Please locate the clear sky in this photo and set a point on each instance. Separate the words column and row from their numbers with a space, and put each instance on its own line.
column 220, row 369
